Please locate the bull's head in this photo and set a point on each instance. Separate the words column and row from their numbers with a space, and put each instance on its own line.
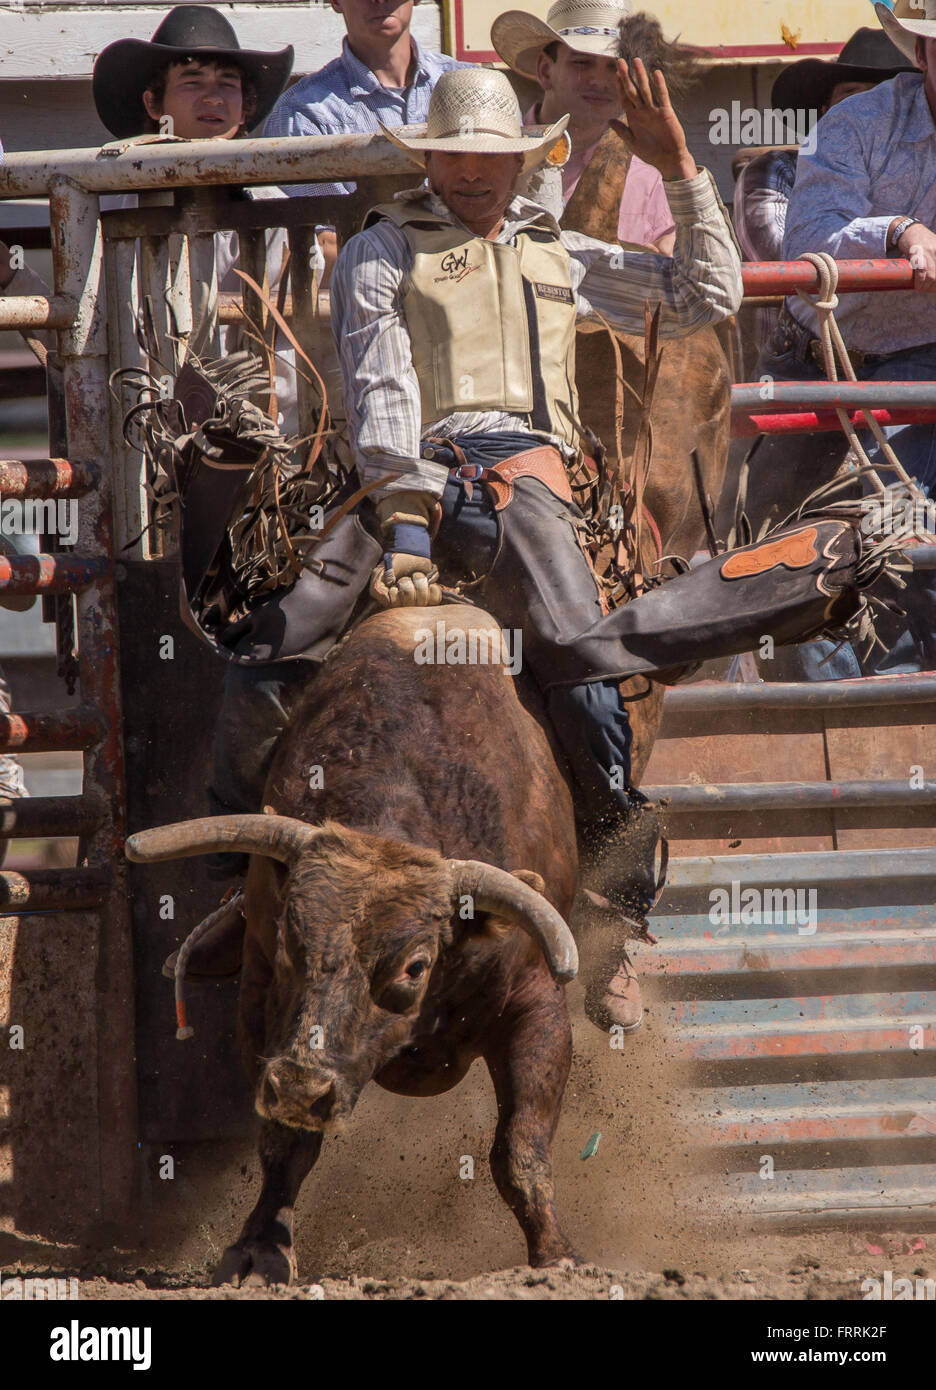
column 363, row 927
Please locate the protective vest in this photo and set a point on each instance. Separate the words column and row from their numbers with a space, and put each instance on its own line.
column 492, row 324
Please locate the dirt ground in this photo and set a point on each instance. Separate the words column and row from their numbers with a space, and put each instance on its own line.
column 388, row 1212
column 396, row 1211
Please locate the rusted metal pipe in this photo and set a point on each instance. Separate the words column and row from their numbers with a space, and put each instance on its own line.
column 286, row 159
column 46, row 478
column 48, row 574
column 786, row 277
column 72, row 729
column 45, row 816
column 36, row 311
column 46, row 890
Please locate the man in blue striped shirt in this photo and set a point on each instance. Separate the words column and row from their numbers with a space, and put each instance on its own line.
column 382, row 74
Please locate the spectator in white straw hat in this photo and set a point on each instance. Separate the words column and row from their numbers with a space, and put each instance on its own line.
column 573, row 54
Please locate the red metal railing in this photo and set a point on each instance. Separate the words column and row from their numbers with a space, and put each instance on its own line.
column 806, row 407
column 786, row 277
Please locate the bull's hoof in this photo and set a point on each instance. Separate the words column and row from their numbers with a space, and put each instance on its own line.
column 571, row 1261
column 256, row 1264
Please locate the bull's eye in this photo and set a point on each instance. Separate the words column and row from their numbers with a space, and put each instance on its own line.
column 416, row 969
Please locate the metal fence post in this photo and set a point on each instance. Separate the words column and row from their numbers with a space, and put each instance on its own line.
column 77, row 250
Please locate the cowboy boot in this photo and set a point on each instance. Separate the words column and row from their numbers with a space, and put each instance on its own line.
column 622, row 855
column 612, row 996
column 217, row 955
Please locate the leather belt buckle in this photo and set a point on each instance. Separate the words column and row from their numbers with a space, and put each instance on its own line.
column 474, row 476
column 855, row 355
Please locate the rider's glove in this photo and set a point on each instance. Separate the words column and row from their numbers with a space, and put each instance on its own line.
column 406, row 576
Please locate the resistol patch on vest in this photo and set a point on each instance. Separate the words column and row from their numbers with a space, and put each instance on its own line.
column 561, row 293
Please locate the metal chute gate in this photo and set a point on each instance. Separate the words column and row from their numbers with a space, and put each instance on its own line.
column 100, row 1089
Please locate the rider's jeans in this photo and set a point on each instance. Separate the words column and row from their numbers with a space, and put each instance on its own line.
column 589, row 719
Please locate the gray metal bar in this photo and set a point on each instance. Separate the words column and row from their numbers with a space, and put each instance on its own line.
column 287, row 159
column 77, row 253
column 869, row 692
column 787, row 796
column 826, row 395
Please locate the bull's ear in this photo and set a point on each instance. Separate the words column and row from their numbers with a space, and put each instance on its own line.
column 531, row 878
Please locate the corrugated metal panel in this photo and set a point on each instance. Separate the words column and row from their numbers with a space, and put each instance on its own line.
column 824, row 1024
column 899, row 1193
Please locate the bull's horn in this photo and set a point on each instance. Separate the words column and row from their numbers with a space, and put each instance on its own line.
column 494, row 890
column 281, row 837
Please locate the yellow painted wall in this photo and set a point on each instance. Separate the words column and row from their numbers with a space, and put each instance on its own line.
column 737, row 30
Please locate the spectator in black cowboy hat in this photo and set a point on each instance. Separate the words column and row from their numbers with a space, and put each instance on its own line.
column 193, row 71
column 193, row 81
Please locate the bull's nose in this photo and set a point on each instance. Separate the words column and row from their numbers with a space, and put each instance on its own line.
column 322, row 1106
column 288, row 1087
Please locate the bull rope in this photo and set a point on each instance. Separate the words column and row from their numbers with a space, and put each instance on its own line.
column 233, row 905
column 830, row 336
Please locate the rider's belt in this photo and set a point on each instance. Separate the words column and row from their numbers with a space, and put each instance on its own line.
column 856, row 356
column 544, row 463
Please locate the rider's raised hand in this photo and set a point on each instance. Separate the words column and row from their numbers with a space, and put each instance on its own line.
column 653, row 132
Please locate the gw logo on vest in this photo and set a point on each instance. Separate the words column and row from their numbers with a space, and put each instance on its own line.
column 456, row 267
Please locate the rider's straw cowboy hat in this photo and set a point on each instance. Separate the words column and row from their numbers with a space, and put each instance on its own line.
column 124, row 69
column 903, row 24
column 520, row 38
column 475, row 111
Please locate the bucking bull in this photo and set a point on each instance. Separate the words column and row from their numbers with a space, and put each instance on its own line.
column 404, row 920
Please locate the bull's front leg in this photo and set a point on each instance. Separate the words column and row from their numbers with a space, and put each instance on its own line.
column 264, row 1254
column 529, row 1060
